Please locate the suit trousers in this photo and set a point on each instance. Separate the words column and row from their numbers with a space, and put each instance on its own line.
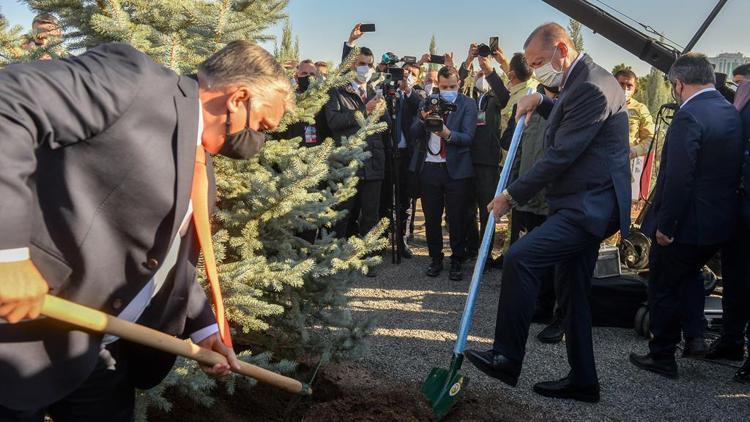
column 363, row 210
column 735, row 269
column 107, row 395
column 675, row 294
column 562, row 245
column 405, row 195
column 525, row 222
column 485, row 183
column 439, row 192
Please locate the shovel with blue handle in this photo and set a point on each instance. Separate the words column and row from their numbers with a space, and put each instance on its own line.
column 444, row 387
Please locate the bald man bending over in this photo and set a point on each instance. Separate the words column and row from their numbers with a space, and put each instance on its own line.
column 585, row 170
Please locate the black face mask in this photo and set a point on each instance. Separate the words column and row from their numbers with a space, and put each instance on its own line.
column 243, row 144
column 303, row 83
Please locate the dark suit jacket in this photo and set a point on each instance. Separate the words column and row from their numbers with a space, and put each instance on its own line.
column 696, row 195
column 585, row 165
column 485, row 149
column 745, row 115
column 462, row 123
column 95, row 175
column 343, row 103
column 409, row 106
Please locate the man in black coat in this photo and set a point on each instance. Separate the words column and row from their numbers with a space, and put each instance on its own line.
column 695, row 208
column 344, row 102
column 99, row 153
column 585, row 169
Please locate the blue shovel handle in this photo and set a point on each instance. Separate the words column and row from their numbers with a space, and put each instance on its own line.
column 476, row 278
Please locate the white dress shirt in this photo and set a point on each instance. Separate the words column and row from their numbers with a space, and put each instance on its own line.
column 434, row 145
column 140, row 302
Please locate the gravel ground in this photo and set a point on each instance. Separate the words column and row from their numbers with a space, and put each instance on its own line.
column 418, row 317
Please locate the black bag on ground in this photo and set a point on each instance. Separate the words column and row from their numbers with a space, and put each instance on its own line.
column 615, row 300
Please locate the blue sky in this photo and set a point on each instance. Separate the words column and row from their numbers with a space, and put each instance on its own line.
column 405, row 27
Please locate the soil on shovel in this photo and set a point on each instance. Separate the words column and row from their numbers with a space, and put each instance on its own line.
column 341, row 392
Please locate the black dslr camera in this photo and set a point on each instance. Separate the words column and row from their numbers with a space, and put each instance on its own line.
column 438, row 110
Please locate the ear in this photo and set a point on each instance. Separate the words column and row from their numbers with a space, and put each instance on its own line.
column 238, row 99
column 563, row 49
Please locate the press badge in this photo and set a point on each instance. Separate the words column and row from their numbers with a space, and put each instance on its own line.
column 481, row 118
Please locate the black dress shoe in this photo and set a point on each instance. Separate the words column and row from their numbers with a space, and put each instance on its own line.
column 371, row 272
column 553, row 333
column 436, row 267
column 495, row 365
column 743, row 374
column 666, row 367
column 406, row 253
column 721, row 349
column 456, row 274
column 565, row 389
column 695, row 348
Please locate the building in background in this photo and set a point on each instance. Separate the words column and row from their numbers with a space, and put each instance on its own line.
column 726, row 62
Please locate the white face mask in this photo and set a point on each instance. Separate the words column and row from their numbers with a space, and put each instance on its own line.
column 628, row 94
column 428, row 88
column 411, row 80
column 481, row 85
column 364, row 73
column 547, row 75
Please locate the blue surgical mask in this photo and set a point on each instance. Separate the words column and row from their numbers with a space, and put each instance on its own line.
column 449, row 96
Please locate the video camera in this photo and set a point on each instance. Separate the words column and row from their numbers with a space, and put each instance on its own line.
column 395, row 74
column 438, row 110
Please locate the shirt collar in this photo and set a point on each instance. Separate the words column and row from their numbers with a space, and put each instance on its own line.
column 356, row 85
column 697, row 94
column 575, row 62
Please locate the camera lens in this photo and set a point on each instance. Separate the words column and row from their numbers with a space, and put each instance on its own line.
column 483, row 50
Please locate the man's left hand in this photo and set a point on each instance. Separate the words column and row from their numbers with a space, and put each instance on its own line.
column 214, row 343
column 445, row 133
column 499, row 206
column 662, row 239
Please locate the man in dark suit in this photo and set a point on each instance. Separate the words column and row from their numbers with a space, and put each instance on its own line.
column 98, row 163
column 695, row 208
column 443, row 162
column 344, row 102
column 585, row 169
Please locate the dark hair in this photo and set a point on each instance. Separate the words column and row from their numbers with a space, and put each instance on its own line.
column 518, row 64
column 692, row 69
column 307, row 61
column 366, row 52
column 626, row 73
column 743, row 70
column 447, row 72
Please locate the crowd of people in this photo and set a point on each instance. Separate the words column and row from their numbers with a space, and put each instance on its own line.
column 587, row 159
column 449, row 127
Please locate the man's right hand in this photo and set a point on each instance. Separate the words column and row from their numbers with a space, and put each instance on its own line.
column 526, row 105
column 22, row 291
column 471, row 55
column 373, row 104
column 355, row 34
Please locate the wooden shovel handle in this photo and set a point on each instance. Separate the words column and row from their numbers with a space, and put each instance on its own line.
column 93, row 320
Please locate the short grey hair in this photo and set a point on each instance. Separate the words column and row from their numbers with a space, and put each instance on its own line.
column 692, row 69
column 244, row 63
column 550, row 32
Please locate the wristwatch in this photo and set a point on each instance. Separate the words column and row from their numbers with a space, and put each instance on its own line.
column 510, row 199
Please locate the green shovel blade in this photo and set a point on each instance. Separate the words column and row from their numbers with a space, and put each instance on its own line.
column 444, row 387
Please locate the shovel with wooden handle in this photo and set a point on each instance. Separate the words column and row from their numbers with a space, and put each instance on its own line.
column 94, row 320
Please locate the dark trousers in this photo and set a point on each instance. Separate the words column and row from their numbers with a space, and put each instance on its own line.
column 524, row 222
column 439, row 191
column 106, row 395
column 485, row 183
column 675, row 294
column 560, row 243
column 363, row 210
column 735, row 301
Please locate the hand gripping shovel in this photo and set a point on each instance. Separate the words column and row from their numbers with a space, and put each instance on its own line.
column 93, row 320
column 444, row 387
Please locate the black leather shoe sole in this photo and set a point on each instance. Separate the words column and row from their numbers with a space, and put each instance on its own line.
column 672, row 374
column 547, row 338
column 494, row 373
column 694, row 354
column 734, row 355
column 433, row 272
column 578, row 395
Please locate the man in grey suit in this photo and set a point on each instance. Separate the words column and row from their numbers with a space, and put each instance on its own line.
column 97, row 164
column 585, row 169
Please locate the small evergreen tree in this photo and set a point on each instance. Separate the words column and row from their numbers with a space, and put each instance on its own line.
column 653, row 91
column 289, row 50
column 575, row 30
column 433, row 50
column 10, row 41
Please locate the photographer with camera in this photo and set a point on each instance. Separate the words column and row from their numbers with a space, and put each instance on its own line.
column 491, row 96
column 442, row 160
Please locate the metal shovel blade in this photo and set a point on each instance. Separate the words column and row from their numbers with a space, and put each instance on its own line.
column 444, row 387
